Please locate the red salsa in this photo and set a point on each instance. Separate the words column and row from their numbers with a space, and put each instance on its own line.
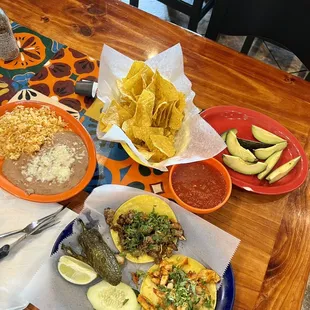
column 199, row 184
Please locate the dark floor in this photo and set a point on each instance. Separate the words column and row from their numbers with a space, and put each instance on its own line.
column 261, row 50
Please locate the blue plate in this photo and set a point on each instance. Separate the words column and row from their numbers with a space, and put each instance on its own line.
column 225, row 295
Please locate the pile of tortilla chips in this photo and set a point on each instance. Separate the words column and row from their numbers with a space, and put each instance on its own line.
column 150, row 111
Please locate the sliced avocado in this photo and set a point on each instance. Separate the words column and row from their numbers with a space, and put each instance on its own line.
column 271, row 162
column 265, row 136
column 224, row 134
column 247, row 144
column 239, row 165
column 252, row 145
column 267, row 152
column 236, row 149
column 282, row 171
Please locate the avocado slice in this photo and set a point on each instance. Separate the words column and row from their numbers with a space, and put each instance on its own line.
column 239, row 165
column 236, row 149
column 265, row 136
column 224, row 134
column 247, row 144
column 267, row 152
column 282, row 171
column 271, row 162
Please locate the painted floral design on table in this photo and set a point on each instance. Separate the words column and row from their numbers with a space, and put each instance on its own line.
column 7, row 89
column 58, row 76
column 35, row 50
column 31, row 49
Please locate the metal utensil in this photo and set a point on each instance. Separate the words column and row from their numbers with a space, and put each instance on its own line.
column 5, row 250
column 44, row 227
column 32, row 225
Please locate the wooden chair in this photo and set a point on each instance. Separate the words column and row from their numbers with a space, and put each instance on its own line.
column 282, row 22
column 196, row 11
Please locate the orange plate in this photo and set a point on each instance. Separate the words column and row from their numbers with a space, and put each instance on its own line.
column 76, row 127
column 218, row 166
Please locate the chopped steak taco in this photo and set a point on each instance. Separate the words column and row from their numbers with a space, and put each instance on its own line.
column 179, row 282
column 145, row 229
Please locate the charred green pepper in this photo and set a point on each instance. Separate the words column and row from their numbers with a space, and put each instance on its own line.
column 96, row 253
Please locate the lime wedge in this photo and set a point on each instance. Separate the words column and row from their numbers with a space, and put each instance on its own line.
column 75, row 271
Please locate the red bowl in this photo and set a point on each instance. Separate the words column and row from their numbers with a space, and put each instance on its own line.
column 219, row 167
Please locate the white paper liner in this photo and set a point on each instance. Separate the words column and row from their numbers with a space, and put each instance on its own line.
column 25, row 259
column 114, row 66
column 205, row 242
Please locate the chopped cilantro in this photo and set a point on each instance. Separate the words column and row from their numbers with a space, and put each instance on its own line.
column 125, row 301
column 122, row 254
column 141, row 274
column 142, row 233
column 183, row 293
column 208, row 302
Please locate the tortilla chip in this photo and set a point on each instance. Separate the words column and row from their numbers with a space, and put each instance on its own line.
column 166, row 116
column 134, row 85
column 163, row 118
column 169, row 132
column 144, row 133
column 114, row 115
column 165, row 89
column 171, row 105
column 144, row 152
column 152, row 86
column 144, row 109
column 181, row 103
column 131, row 108
column 158, row 114
column 163, row 144
column 136, row 67
column 158, row 156
column 125, row 96
column 139, row 76
column 176, row 119
column 147, row 76
column 124, row 114
column 127, row 128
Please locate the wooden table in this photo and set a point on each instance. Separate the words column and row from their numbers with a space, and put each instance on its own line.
column 272, row 263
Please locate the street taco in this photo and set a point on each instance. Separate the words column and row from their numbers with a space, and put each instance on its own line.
column 145, row 229
column 179, row 282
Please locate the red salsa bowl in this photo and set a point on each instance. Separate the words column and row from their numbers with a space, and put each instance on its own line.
column 201, row 187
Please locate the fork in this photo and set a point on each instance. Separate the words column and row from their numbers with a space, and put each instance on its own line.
column 44, row 227
column 32, row 225
column 5, row 250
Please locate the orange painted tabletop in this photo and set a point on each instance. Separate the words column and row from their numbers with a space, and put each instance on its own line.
column 272, row 264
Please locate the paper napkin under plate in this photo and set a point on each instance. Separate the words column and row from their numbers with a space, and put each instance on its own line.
column 18, row 268
column 205, row 242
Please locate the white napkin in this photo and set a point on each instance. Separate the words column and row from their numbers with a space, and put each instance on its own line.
column 18, row 268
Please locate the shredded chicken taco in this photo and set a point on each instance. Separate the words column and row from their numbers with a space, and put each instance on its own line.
column 179, row 283
column 145, row 229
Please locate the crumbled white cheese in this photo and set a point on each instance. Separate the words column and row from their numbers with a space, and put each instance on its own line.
column 51, row 165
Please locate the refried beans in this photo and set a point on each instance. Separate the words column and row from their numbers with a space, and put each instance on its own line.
column 59, row 166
